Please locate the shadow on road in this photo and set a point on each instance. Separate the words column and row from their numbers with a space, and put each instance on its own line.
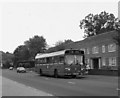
column 63, row 77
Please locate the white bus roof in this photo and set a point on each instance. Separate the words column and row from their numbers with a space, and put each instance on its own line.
column 44, row 55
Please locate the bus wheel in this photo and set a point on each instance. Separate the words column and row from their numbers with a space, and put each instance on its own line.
column 41, row 72
column 55, row 73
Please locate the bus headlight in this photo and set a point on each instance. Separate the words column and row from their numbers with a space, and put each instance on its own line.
column 82, row 68
column 67, row 69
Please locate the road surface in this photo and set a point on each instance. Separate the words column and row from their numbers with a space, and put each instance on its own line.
column 88, row 86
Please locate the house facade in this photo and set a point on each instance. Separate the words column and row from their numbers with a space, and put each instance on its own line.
column 101, row 51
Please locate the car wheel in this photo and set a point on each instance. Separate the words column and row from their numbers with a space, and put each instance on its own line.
column 41, row 72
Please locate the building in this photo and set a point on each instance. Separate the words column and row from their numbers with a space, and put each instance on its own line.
column 1, row 65
column 101, row 51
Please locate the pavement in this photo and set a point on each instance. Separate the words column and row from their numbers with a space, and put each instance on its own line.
column 11, row 88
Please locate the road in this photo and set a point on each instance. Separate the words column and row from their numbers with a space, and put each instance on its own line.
column 88, row 86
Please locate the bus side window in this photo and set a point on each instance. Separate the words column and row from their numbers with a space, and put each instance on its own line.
column 52, row 59
column 43, row 61
column 49, row 60
column 56, row 59
column 61, row 59
column 36, row 61
column 39, row 60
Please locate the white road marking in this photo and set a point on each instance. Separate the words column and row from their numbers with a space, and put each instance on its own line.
column 15, row 82
column 37, row 74
column 50, row 95
column 46, row 78
column 117, row 89
column 36, row 90
column 71, row 82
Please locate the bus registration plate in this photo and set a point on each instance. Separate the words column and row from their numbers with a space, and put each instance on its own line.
column 75, row 73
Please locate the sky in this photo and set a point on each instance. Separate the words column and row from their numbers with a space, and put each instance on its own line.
column 53, row 19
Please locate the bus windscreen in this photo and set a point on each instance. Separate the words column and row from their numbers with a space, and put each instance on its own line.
column 74, row 59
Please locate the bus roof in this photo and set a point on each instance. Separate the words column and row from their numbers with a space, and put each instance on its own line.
column 58, row 53
column 44, row 55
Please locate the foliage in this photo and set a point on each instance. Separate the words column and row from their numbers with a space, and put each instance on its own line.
column 59, row 45
column 7, row 59
column 99, row 23
column 29, row 49
column 35, row 45
column 117, row 38
column 21, row 53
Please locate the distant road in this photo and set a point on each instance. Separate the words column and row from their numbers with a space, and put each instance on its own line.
column 88, row 86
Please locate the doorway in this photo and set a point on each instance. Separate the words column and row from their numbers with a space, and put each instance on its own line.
column 95, row 63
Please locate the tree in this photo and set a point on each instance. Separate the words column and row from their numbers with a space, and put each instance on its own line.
column 117, row 38
column 6, row 59
column 59, row 45
column 99, row 23
column 21, row 53
column 68, row 41
column 35, row 45
column 30, row 48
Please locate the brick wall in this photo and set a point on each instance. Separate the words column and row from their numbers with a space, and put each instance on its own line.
column 98, row 41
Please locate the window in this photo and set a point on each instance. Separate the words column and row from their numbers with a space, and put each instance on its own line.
column 83, row 50
column 112, row 61
column 88, row 51
column 56, row 59
column 103, row 48
column 95, row 50
column 112, row 47
column 49, row 60
column 103, row 62
column 88, row 61
column 61, row 59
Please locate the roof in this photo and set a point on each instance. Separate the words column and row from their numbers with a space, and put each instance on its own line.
column 107, row 36
column 50, row 54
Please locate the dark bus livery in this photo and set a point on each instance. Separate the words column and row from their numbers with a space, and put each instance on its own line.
column 61, row 63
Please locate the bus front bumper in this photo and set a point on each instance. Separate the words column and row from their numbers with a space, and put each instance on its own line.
column 72, row 73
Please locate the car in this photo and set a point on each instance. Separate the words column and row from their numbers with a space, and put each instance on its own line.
column 10, row 68
column 21, row 70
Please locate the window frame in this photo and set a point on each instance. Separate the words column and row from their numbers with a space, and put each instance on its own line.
column 112, row 61
column 83, row 49
column 112, row 47
column 103, row 49
column 95, row 50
